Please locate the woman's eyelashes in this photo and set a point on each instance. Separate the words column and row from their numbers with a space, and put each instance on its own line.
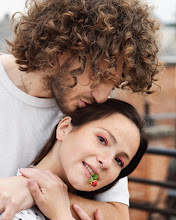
column 102, row 139
column 119, row 161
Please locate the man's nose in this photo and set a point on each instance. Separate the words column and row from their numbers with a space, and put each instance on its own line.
column 102, row 92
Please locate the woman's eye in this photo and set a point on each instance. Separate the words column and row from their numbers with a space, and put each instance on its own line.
column 119, row 161
column 102, row 140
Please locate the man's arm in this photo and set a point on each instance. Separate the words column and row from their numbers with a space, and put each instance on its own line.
column 14, row 196
column 109, row 210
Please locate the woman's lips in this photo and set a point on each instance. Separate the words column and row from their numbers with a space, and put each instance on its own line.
column 86, row 171
column 90, row 169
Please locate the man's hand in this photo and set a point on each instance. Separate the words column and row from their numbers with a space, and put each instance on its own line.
column 83, row 215
column 109, row 210
column 14, row 196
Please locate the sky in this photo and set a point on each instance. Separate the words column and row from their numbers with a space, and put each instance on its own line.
column 164, row 9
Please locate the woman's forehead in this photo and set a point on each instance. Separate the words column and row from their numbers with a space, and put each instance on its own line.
column 112, row 120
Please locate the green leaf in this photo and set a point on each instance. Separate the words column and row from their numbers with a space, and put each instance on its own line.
column 95, row 176
column 90, row 179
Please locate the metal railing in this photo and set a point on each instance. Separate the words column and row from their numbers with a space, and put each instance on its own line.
column 146, row 206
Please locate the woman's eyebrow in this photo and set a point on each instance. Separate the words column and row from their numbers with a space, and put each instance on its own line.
column 110, row 134
column 115, row 141
column 124, row 155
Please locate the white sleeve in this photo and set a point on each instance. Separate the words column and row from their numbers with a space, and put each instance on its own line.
column 118, row 193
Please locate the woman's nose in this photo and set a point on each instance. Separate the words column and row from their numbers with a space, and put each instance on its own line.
column 105, row 161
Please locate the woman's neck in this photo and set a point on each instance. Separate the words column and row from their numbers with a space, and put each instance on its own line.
column 51, row 162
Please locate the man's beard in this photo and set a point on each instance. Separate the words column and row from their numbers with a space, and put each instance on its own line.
column 60, row 91
column 60, row 85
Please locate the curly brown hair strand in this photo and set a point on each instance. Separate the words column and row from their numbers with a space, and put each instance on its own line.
column 97, row 30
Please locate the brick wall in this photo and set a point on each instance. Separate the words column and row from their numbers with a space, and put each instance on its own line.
column 153, row 166
column 162, row 101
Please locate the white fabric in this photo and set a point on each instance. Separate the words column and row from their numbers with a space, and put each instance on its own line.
column 117, row 193
column 29, row 214
column 26, row 123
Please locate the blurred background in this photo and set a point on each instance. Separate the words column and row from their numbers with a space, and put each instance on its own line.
column 153, row 185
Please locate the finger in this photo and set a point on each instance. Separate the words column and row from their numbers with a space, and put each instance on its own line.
column 35, row 191
column 80, row 212
column 28, row 172
column 8, row 214
column 52, row 175
column 1, row 210
column 2, row 205
column 98, row 215
column 38, row 175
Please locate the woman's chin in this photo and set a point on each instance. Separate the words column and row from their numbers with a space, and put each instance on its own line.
column 87, row 187
column 83, row 186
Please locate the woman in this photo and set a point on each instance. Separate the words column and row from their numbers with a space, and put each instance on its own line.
column 88, row 152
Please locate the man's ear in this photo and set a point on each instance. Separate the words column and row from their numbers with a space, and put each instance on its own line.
column 63, row 128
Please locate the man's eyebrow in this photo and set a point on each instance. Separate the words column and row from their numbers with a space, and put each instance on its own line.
column 110, row 134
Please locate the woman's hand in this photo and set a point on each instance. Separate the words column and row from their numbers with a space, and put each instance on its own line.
column 51, row 195
column 14, row 196
column 49, row 192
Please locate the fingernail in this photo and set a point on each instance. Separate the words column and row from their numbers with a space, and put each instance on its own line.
column 21, row 169
column 99, row 212
column 75, row 206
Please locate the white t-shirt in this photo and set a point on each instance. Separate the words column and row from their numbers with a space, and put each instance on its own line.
column 26, row 123
column 30, row 214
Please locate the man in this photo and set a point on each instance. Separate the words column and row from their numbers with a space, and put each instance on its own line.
column 75, row 52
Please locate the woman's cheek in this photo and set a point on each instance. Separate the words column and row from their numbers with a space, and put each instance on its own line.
column 111, row 177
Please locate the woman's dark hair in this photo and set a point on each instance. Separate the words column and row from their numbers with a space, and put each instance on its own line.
column 95, row 112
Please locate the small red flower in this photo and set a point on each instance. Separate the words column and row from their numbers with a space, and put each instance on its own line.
column 92, row 180
column 94, row 183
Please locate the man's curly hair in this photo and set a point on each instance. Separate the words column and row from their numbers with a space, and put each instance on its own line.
column 99, row 30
